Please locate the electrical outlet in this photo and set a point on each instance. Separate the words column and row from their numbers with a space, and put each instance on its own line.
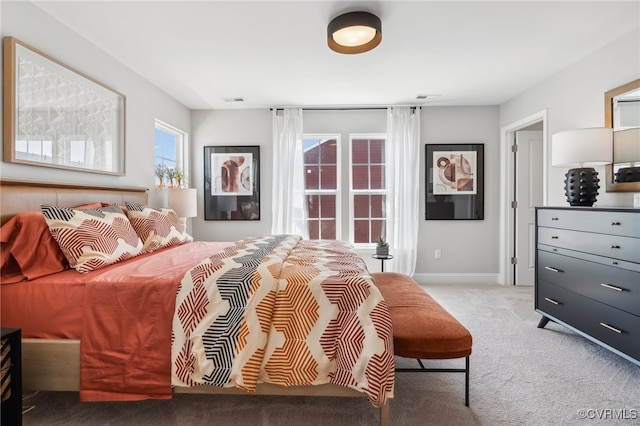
column 438, row 254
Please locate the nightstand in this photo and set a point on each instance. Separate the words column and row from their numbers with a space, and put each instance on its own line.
column 382, row 259
column 11, row 410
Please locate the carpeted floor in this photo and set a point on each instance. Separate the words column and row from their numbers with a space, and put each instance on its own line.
column 520, row 375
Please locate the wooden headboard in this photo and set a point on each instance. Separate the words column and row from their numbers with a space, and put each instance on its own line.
column 18, row 196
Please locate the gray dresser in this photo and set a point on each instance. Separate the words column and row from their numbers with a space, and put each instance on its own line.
column 588, row 274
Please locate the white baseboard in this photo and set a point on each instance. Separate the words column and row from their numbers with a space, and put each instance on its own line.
column 456, row 278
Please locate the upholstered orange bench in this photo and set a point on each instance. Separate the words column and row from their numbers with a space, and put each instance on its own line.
column 422, row 328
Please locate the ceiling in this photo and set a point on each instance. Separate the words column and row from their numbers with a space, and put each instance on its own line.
column 274, row 54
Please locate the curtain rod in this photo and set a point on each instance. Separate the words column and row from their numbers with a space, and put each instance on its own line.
column 347, row 108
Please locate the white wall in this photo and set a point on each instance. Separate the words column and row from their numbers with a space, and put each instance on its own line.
column 231, row 127
column 469, row 248
column 574, row 98
column 144, row 102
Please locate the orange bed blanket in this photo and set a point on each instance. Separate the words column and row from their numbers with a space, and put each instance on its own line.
column 122, row 315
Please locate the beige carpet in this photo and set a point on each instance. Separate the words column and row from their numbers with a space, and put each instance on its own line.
column 520, row 375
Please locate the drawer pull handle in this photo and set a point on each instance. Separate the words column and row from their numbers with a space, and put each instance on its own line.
column 615, row 223
column 615, row 246
column 554, row 218
column 554, row 237
column 552, row 301
column 612, row 287
column 611, row 328
column 549, row 268
column 614, row 262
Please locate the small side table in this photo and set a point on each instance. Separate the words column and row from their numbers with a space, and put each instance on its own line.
column 382, row 259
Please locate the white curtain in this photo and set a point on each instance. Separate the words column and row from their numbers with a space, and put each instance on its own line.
column 403, row 196
column 289, row 207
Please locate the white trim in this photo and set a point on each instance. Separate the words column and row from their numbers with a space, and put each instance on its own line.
column 453, row 278
column 338, row 191
column 506, row 188
column 182, row 151
column 352, row 192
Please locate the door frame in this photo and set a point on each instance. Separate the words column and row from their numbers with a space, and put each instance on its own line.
column 507, row 186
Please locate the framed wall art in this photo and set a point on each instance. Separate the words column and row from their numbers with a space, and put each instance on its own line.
column 57, row 117
column 232, row 183
column 454, row 181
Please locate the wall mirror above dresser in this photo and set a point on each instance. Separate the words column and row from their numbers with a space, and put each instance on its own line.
column 622, row 112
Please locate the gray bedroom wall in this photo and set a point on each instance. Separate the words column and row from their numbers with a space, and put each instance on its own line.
column 231, row 127
column 469, row 248
column 144, row 102
column 574, row 98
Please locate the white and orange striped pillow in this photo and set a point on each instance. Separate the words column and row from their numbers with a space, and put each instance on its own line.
column 157, row 228
column 92, row 239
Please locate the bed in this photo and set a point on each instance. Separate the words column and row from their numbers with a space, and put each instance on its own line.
column 57, row 339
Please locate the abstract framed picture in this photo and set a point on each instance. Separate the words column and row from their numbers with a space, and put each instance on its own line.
column 232, row 182
column 454, row 181
column 55, row 116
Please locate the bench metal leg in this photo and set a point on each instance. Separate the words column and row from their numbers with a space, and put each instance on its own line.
column 464, row 370
column 466, row 382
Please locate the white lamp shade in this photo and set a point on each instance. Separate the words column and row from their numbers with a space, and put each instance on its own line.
column 582, row 147
column 626, row 146
column 184, row 201
column 354, row 36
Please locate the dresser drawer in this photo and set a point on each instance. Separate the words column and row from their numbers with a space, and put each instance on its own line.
column 613, row 327
column 613, row 286
column 612, row 246
column 557, row 302
column 603, row 222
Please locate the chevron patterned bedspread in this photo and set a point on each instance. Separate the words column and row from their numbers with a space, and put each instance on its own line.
column 285, row 311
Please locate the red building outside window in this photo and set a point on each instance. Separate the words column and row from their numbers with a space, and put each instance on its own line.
column 368, row 189
column 321, row 186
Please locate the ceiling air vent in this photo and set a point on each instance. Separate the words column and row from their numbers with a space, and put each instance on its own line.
column 233, row 99
column 427, row 97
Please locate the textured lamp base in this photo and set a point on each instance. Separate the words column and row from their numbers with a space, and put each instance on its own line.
column 627, row 174
column 581, row 186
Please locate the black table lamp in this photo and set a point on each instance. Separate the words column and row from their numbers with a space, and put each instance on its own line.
column 582, row 149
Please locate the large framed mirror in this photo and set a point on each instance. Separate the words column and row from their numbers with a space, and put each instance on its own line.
column 616, row 101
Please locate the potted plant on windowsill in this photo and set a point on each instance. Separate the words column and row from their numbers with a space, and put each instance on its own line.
column 382, row 247
column 161, row 173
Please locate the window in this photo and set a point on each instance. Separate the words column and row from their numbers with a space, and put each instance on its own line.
column 368, row 188
column 170, row 146
column 322, row 185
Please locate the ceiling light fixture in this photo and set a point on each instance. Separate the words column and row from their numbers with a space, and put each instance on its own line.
column 354, row 32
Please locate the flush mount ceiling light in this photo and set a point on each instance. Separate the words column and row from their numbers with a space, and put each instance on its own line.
column 354, row 32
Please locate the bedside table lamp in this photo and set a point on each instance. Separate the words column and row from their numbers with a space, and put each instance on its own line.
column 184, row 201
column 582, row 149
column 626, row 150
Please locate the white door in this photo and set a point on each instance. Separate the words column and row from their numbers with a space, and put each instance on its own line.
column 528, row 195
